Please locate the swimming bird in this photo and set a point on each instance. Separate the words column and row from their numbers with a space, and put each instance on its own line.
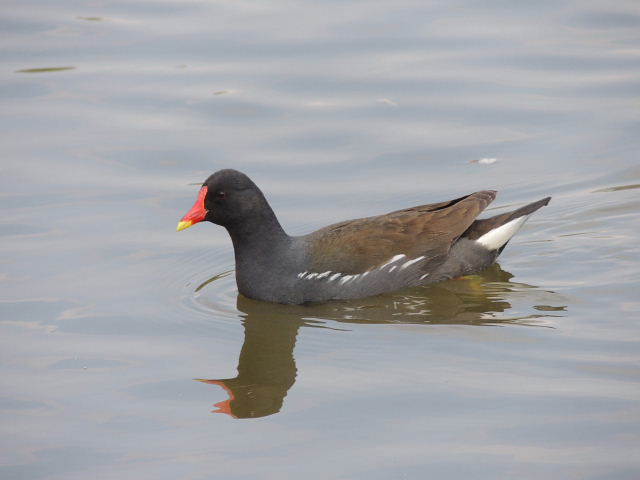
column 354, row 258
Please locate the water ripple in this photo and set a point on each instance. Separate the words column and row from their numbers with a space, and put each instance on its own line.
column 485, row 299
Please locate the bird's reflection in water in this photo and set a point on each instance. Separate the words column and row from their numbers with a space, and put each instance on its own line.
column 267, row 368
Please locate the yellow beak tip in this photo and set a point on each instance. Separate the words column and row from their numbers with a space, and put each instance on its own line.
column 183, row 225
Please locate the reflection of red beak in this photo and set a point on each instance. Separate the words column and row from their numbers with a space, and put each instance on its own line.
column 197, row 212
column 225, row 405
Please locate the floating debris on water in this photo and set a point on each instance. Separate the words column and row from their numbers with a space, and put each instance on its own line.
column 617, row 188
column 44, row 69
column 485, row 161
column 225, row 92
column 93, row 19
column 387, row 101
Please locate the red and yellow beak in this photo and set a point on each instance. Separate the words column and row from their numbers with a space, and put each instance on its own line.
column 197, row 212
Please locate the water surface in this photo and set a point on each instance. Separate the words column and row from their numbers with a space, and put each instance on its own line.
column 120, row 337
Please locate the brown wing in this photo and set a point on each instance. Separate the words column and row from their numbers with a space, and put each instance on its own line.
column 355, row 246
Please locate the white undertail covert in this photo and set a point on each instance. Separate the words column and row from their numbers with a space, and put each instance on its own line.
column 496, row 238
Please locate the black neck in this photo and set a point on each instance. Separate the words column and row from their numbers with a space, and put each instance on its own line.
column 259, row 234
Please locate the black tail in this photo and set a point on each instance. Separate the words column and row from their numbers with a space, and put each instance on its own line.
column 480, row 227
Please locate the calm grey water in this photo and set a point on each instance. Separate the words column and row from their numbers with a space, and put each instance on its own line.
column 119, row 337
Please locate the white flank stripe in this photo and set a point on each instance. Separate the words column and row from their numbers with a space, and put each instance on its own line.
column 393, row 260
column 324, row 274
column 302, row 274
column 333, row 277
column 494, row 239
column 411, row 262
column 346, row 279
column 422, row 277
column 312, row 275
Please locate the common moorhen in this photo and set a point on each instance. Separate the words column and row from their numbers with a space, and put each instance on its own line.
column 354, row 258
